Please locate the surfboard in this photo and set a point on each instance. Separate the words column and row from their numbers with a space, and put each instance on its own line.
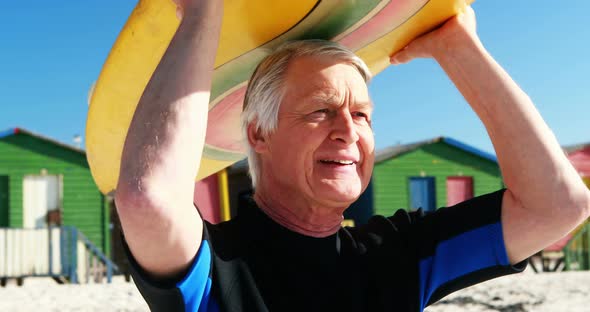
column 374, row 29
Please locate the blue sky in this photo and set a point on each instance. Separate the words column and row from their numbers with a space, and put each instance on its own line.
column 52, row 52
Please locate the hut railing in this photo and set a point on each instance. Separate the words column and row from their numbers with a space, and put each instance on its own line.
column 63, row 253
column 91, row 262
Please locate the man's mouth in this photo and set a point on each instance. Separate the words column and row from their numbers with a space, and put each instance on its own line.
column 337, row 162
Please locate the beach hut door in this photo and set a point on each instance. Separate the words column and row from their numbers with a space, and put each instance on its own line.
column 41, row 194
column 422, row 193
column 459, row 189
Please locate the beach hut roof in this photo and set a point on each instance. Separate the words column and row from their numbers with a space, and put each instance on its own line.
column 397, row 150
column 15, row 131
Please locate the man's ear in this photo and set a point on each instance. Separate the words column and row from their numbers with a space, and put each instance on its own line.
column 256, row 139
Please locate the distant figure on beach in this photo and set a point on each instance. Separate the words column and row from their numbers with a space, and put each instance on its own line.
column 307, row 121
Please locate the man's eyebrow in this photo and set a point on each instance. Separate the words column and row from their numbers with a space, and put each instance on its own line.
column 368, row 104
column 363, row 105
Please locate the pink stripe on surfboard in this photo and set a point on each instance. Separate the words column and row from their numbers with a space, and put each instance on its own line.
column 223, row 127
column 393, row 14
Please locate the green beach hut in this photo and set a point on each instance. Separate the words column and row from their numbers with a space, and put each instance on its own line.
column 431, row 174
column 44, row 182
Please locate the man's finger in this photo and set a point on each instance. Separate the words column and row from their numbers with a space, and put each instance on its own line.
column 400, row 57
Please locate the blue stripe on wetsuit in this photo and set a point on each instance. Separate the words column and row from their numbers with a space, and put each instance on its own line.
column 196, row 286
column 463, row 254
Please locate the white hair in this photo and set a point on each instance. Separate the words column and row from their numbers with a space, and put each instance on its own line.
column 265, row 89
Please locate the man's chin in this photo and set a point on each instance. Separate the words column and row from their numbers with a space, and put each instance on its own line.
column 344, row 196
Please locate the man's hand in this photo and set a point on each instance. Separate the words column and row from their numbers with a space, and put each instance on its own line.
column 455, row 30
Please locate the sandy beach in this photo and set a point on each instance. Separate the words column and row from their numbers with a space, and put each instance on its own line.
column 44, row 294
column 526, row 292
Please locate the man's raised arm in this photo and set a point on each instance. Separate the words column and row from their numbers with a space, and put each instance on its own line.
column 164, row 144
column 545, row 197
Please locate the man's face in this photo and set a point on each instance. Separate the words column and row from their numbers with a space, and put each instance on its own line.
column 323, row 147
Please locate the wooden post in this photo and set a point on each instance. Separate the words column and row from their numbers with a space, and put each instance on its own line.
column 106, row 214
column 109, row 272
column 73, row 255
column 63, row 255
column 50, row 251
column 225, row 213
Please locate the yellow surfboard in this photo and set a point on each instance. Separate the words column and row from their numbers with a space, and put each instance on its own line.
column 374, row 29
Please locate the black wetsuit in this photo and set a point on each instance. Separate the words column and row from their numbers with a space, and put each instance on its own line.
column 399, row 263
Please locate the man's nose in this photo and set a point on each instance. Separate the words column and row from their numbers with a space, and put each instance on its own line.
column 344, row 128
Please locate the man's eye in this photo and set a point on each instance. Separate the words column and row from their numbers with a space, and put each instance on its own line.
column 320, row 113
column 360, row 115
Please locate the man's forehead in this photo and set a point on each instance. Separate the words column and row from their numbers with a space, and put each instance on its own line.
column 326, row 88
column 324, row 80
column 334, row 96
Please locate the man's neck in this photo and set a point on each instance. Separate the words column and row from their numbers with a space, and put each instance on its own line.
column 299, row 217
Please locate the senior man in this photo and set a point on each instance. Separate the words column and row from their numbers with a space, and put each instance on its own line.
column 307, row 120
